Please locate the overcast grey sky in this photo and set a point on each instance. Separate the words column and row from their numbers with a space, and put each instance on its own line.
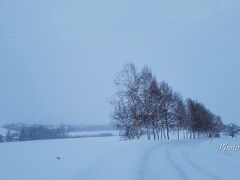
column 58, row 58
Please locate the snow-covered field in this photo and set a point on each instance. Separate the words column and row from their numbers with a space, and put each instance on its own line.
column 93, row 133
column 108, row 158
column 3, row 131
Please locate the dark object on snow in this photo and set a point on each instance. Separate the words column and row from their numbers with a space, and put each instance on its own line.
column 58, row 157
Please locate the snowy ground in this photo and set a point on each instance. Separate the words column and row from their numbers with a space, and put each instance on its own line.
column 3, row 131
column 110, row 159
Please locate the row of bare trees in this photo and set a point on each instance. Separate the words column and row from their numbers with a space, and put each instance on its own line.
column 144, row 106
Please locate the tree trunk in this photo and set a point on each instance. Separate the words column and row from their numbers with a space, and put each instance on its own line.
column 164, row 134
column 148, row 133
column 138, row 136
column 158, row 134
column 154, row 134
column 178, row 133
column 167, row 132
column 161, row 134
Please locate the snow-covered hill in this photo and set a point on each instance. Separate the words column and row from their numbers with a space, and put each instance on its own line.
column 93, row 133
column 111, row 159
column 3, row 131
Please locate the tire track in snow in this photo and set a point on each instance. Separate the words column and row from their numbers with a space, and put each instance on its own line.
column 181, row 172
column 200, row 169
column 146, row 159
column 172, row 162
column 145, row 162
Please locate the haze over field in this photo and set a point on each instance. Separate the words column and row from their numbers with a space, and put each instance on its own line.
column 58, row 58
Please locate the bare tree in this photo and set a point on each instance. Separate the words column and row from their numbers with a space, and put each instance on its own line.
column 126, row 113
column 180, row 115
column 142, row 105
column 8, row 137
column 168, row 104
column 146, row 99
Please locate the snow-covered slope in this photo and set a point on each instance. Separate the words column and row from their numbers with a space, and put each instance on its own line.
column 93, row 133
column 3, row 131
column 110, row 159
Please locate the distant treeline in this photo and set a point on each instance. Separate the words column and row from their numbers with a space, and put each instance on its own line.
column 23, row 132
column 143, row 105
column 35, row 132
column 66, row 127
column 41, row 132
